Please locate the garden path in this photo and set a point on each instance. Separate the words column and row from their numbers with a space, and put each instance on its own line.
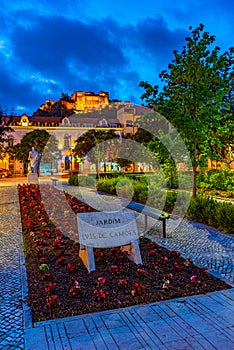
column 11, row 313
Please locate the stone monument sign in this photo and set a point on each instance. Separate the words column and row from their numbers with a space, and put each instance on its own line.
column 108, row 229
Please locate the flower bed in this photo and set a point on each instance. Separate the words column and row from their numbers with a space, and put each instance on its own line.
column 58, row 282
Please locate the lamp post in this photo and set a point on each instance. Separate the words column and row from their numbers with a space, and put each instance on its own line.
column 71, row 156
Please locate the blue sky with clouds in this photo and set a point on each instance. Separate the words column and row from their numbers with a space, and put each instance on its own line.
column 48, row 48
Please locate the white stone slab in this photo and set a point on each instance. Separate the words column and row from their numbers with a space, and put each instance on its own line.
column 107, row 229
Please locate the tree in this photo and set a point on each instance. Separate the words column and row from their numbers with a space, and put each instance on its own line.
column 4, row 136
column 153, row 133
column 92, row 144
column 197, row 96
column 65, row 97
column 45, row 143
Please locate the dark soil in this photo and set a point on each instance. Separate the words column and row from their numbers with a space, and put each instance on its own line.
column 67, row 289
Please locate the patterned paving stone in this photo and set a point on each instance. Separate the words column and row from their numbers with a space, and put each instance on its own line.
column 205, row 246
column 11, row 313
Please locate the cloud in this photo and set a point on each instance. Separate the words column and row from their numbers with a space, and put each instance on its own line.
column 43, row 54
column 14, row 93
column 50, row 43
column 158, row 40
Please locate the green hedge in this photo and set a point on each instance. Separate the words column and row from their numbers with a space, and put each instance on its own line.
column 82, row 180
column 202, row 209
column 213, row 213
column 214, row 179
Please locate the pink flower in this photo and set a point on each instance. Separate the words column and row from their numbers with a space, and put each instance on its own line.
column 165, row 260
column 101, row 281
column 193, row 278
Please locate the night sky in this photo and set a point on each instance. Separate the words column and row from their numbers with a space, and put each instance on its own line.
column 53, row 47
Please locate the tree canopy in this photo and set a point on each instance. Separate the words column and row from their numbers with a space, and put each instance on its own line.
column 93, row 146
column 197, row 96
column 45, row 143
column 4, row 136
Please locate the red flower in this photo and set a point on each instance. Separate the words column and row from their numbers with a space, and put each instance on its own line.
column 152, row 252
column 60, row 261
column 114, row 269
column 49, row 287
column 70, row 267
column 137, row 289
column 46, row 233
column 176, row 265
column 52, row 301
column 122, row 283
column 76, row 289
column 141, row 273
column 57, row 242
column 47, row 277
column 175, row 253
column 100, row 294
column 153, row 265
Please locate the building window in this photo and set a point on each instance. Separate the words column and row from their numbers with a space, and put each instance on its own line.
column 129, row 123
column 67, row 140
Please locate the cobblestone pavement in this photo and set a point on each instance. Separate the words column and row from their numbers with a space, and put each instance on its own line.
column 207, row 247
column 11, row 313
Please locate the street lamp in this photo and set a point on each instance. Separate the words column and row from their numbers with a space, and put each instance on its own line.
column 71, row 155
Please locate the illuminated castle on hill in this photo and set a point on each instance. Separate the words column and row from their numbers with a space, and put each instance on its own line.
column 80, row 101
column 86, row 100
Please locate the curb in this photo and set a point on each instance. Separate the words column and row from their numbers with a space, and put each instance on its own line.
column 27, row 316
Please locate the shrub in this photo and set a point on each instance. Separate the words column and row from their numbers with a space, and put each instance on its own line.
column 211, row 212
column 140, row 192
column 214, row 179
column 202, row 209
column 181, row 201
column 125, row 189
column 73, row 180
column 82, row 180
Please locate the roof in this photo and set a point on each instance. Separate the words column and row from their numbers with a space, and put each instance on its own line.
column 75, row 119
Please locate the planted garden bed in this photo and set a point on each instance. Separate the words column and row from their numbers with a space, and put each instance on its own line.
column 58, row 282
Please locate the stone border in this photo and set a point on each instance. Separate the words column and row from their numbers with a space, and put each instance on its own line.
column 27, row 315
